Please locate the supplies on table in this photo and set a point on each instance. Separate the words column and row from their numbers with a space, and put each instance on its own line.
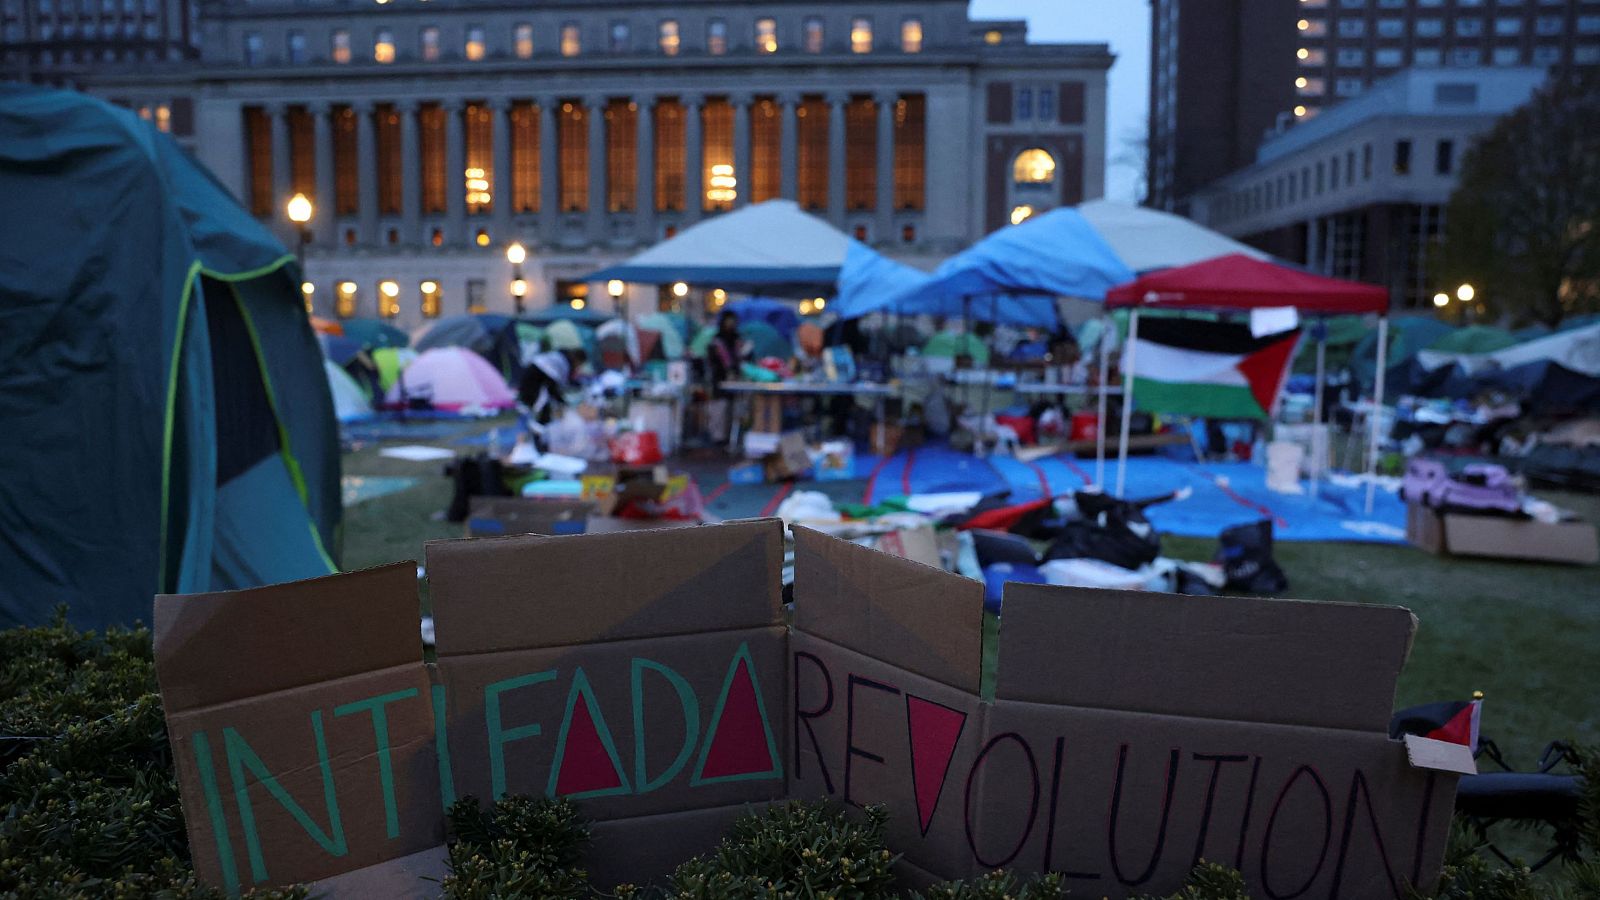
column 834, row 461
column 791, row 458
column 636, row 448
column 658, row 417
column 1482, row 511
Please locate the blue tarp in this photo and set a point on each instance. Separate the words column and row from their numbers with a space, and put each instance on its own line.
column 868, row 281
column 780, row 315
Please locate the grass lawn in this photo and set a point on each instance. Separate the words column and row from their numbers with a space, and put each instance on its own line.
column 1527, row 635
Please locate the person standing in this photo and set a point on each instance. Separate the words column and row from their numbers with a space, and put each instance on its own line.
column 724, row 356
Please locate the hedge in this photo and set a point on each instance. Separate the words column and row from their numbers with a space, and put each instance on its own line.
column 89, row 808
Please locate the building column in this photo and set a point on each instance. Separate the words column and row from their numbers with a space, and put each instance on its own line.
column 836, row 105
column 323, row 212
column 549, row 172
column 886, row 104
column 282, row 173
column 646, row 154
column 741, row 147
column 366, row 173
column 410, row 173
column 455, row 169
column 694, row 159
column 500, row 185
column 599, row 215
column 788, row 147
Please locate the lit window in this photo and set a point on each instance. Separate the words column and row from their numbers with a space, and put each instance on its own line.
column 1034, row 166
column 164, row 118
column 861, row 35
column 717, row 37
column 571, row 39
column 482, row 237
column 522, row 40
column 431, row 299
column 383, row 46
column 252, row 48
column 475, row 49
column 388, row 298
column 667, row 38
column 341, row 46
column 992, row 37
column 814, row 34
column 345, row 305
column 621, row 38
column 297, row 47
column 1020, row 214
column 766, row 35
column 911, row 36
column 430, row 43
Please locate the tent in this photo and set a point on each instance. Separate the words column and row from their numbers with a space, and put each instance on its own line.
column 1241, row 283
column 781, row 316
column 390, row 362
column 349, row 401
column 1408, row 335
column 168, row 424
column 452, row 379
column 476, row 332
column 770, row 248
column 1473, row 339
column 1148, row 239
column 373, row 333
column 868, row 281
column 674, row 331
column 564, row 312
column 764, row 341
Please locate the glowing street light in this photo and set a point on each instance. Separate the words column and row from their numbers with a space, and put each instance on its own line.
column 1441, row 299
column 680, row 290
column 300, row 210
column 519, row 290
column 1465, row 293
column 516, row 254
column 820, row 303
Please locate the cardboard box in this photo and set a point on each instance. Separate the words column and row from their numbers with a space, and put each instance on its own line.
column 497, row 516
column 648, row 676
column 835, row 461
column 1459, row 534
column 792, row 459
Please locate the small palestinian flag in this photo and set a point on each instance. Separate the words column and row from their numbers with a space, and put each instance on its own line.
column 1215, row 369
column 1452, row 721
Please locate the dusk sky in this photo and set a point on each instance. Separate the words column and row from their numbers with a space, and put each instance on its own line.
column 1125, row 25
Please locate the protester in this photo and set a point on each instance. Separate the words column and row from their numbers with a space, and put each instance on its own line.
column 724, row 355
column 545, row 380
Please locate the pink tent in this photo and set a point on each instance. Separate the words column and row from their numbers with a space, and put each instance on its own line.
column 454, row 379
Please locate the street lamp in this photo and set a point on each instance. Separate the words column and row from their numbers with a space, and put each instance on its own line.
column 516, row 254
column 615, row 288
column 1441, row 300
column 300, row 210
column 1465, row 293
column 680, row 290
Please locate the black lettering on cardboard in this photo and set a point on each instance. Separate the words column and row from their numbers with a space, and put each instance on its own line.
column 851, row 751
column 1033, row 808
column 1211, row 795
column 1244, row 821
column 803, row 717
column 1050, row 829
column 1327, row 834
column 1166, row 816
column 1360, row 792
column 1422, row 827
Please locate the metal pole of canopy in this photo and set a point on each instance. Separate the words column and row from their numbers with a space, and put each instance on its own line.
column 1108, row 324
column 1377, row 409
column 1319, row 447
column 1127, row 399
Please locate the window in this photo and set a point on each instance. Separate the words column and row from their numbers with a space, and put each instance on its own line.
column 432, row 301
column 1024, row 104
column 811, row 133
column 475, row 49
column 911, row 36
column 346, row 164
column 1047, row 105
column 1352, row 57
column 861, row 154
column 339, row 42
column 524, row 122
column 766, row 35
column 717, row 37
column 1589, row 24
column 302, row 151
column 1507, row 56
column 1429, row 27
column 296, row 46
column 1352, row 27
column 1366, row 162
column 386, row 137
column 766, row 151
column 861, row 35
column 522, row 40
column 572, row 151
column 1322, row 177
column 1034, row 166
column 622, row 156
column 1507, row 27
column 1333, row 174
column 813, row 34
column 910, row 141
column 1391, row 28
column 1402, row 157
column 620, row 38
column 430, row 43
column 1469, row 27
column 1546, row 55
column 1423, row 57
column 1388, row 56
column 1313, row 87
column 347, row 302
column 571, row 39
column 1444, row 157
column 1548, row 25
column 717, row 175
column 1348, row 87
column 670, row 132
column 383, row 46
column 1586, row 54
column 667, row 37
column 258, row 138
column 1466, row 56
column 478, row 154
column 1312, row 56
column 252, row 48
column 430, row 143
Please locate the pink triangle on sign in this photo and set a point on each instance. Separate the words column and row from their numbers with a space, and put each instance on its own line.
column 587, row 764
column 740, row 738
column 934, row 730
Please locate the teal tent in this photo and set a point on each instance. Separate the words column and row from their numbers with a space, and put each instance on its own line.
column 167, row 417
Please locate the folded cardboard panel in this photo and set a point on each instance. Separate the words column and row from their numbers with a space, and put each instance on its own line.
column 1500, row 537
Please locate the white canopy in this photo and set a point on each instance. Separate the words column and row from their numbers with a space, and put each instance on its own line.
column 1149, row 239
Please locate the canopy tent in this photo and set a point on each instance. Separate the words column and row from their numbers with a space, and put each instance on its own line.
column 1148, row 239
column 452, row 379
column 349, row 401
column 1240, row 283
column 168, row 423
column 770, row 248
column 869, row 281
column 781, row 316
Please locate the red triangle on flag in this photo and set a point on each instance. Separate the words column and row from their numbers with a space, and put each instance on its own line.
column 934, row 730
column 586, row 763
column 1266, row 368
column 1461, row 729
column 739, row 743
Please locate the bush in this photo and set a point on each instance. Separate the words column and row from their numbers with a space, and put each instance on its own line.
column 794, row 850
column 997, row 885
column 520, row 848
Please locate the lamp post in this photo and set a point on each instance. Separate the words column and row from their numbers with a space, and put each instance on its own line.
column 516, row 254
column 615, row 288
column 300, row 210
column 1465, row 293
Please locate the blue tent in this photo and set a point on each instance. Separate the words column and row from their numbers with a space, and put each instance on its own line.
column 781, row 316
column 1013, row 276
column 868, row 281
column 166, row 410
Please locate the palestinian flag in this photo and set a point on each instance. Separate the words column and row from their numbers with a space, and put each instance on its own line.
column 1219, row 370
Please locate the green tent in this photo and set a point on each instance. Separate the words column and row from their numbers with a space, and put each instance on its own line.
column 764, row 341
column 1474, row 339
column 374, row 333
column 1408, row 336
column 168, row 422
column 947, row 343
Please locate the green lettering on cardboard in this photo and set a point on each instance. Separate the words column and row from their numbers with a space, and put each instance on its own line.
column 241, row 757
column 691, row 724
column 219, row 821
column 380, row 735
column 498, row 736
column 441, row 740
column 743, row 653
column 582, row 687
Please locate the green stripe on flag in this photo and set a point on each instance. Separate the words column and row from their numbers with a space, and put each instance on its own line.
column 1216, row 401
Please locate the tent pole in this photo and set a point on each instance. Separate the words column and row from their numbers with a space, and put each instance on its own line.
column 1316, row 414
column 1377, row 408
column 1108, row 323
column 1127, row 399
